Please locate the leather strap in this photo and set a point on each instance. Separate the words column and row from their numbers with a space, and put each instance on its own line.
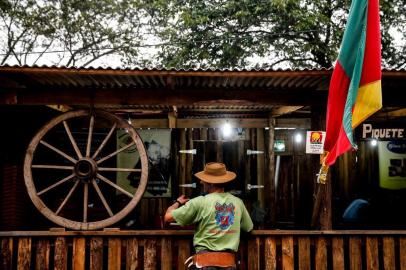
column 219, row 259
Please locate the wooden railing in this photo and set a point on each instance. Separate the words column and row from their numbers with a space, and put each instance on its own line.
column 168, row 249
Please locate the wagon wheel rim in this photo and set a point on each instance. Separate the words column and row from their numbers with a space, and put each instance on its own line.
column 85, row 170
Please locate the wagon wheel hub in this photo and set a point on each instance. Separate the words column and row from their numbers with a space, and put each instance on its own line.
column 85, row 169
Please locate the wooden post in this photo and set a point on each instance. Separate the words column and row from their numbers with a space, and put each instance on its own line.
column 114, row 253
column 78, row 253
column 172, row 118
column 321, row 217
column 61, row 254
column 150, row 254
column 132, row 254
column 372, row 253
column 24, row 253
column 183, row 252
column 166, row 253
column 338, row 251
column 182, row 161
column 304, row 253
column 260, row 166
column 402, row 253
column 253, row 253
column 42, row 255
column 288, row 258
column 270, row 253
column 6, row 255
column 269, row 186
column 321, row 254
column 96, row 253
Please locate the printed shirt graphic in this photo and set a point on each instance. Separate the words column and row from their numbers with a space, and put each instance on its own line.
column 224, row 215
column 219, row 218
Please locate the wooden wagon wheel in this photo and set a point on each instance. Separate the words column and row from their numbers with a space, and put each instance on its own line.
column 84, row 168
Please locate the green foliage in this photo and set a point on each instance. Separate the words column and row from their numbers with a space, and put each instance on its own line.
column 189, row 33
column 81, row 31
column 278, row 33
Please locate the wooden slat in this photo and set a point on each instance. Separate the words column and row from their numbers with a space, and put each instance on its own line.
column 79, row 253
column 242, row 252
column 338, row 253
column 96, row 253
column 355, row 253
column 61, row 254
column 132, row 254
column 270, row 253
column 42, row 255
column 114, row 253
column 304, row 253
column 6, row 256
column 321, row 253
column 372, row 256
column 183, row 252
column 166, row 253
column 288, row 261
column 253, row 253
column 402, row 253
column 150, row 254
column 388, row 253
column 24, row 253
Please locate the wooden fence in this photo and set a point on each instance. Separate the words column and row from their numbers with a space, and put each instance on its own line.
column 168, row 249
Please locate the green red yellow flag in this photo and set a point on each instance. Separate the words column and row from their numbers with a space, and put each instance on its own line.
column 355, row 86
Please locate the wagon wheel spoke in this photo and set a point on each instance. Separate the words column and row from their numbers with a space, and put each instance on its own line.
column 67, row 197
column 106, row 205
column 116, row 152
column 104, row 141
column 89, row 137
column 58, row 151
column 57, row 167
column 56, row 184
column 107, row 181
column 85, row 201
column 72, row 140
column 103, row 169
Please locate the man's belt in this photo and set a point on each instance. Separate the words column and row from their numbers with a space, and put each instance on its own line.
column 219, row 259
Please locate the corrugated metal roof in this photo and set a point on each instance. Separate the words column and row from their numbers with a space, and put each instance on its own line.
column 286, row 85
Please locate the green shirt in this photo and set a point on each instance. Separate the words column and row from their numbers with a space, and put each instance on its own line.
column 219, row 218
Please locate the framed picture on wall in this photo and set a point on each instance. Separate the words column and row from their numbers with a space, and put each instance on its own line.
column 157, row 143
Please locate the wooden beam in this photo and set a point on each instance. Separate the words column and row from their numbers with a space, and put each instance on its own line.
column 163, row 97
column 392, row 114
column 302, row 123
column 284, row 110
column 172, row 117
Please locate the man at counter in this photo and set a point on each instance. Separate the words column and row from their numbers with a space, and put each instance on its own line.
column 219, row 216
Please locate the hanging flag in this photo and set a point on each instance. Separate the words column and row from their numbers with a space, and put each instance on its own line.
column 355, row 86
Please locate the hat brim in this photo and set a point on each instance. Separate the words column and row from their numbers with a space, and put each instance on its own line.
column 213, row 179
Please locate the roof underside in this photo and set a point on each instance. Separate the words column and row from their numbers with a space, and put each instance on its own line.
column 189, row 93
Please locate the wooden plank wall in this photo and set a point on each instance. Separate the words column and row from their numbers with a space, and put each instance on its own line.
column 151, row 250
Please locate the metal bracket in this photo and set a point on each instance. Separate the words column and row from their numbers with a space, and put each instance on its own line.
column 193, row 185
column 191, row 151
column 249, row 186
column 254, row 152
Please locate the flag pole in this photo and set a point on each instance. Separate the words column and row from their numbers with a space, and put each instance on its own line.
column 321, row 185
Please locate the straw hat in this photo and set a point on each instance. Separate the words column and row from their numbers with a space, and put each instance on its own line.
column 215, row 173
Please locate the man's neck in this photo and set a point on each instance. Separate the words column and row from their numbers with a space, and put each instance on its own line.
column 216, row 190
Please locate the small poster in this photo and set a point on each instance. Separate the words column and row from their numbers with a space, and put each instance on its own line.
column 315, row 142
column 157, row 144
column 392, row 164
